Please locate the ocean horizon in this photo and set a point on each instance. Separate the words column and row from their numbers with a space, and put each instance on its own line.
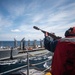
column 11, row 43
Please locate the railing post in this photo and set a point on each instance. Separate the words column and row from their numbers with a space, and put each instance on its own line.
column 11, row 53
column 34, row 44
column 41, row 43
column 27, row 62
column 15, row 43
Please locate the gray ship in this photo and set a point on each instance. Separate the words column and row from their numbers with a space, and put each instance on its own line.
column 7, row 53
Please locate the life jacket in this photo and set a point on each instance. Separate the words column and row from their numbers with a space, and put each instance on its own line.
column 63, row 62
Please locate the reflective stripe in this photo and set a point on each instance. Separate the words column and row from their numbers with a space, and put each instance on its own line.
column 67, row 40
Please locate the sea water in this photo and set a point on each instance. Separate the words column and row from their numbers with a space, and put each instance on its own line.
column 11, row 43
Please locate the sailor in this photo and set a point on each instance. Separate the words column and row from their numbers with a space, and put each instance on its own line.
column 63, row 62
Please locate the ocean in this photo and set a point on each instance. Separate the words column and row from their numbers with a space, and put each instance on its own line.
column 11, row 43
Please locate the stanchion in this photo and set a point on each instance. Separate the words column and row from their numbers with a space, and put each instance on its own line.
column 27, row 62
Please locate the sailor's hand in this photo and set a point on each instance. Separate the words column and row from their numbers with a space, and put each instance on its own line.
column 46, row 34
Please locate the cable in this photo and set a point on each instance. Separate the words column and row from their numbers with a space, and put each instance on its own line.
column 13, row 69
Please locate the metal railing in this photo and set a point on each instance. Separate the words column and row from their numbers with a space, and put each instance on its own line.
column 26, row 66
column 13, row 70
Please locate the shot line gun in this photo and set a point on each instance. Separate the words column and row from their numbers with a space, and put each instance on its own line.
column 49, row 34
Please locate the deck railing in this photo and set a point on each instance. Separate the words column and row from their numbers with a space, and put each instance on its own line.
column 28, row 65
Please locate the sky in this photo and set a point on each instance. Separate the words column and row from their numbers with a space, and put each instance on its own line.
column 17, row 18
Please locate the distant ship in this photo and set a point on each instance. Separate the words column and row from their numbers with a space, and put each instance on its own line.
column 10, row 52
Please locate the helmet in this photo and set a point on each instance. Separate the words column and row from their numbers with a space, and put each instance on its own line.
column 70, row 32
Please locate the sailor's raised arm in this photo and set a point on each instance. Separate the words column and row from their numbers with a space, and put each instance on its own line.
column 49, row 44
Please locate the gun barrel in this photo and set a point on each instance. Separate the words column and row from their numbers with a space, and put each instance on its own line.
column 36, row 28
column 39, row 29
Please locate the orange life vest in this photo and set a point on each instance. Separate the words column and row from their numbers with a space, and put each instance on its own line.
column 63, row 62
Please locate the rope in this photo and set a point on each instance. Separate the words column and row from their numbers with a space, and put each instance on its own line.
column 39, row 63
column 42, row 71
column 41, row 54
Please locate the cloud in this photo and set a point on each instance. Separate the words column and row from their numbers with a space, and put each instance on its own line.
column 57, row 17
column 21, row 16
column 37, row 18
column 14, row 8
column 68, row 6
column 15, row 30
column 5, row 23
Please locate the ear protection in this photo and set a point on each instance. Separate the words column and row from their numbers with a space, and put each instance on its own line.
column 70, row 32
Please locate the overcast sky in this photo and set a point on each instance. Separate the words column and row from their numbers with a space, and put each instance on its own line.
column 17, row 18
